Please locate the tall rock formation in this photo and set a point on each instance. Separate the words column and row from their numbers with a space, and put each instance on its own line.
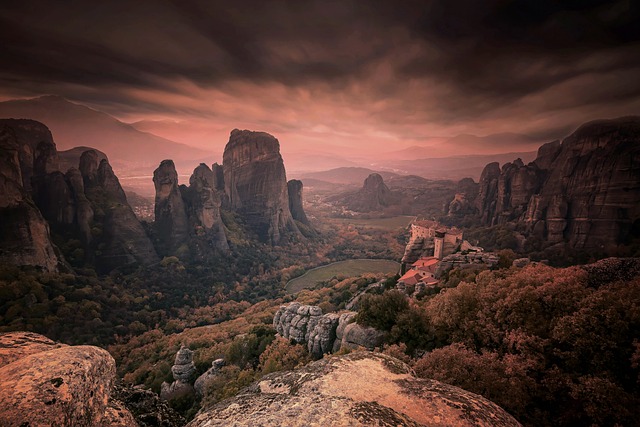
column 488, row 192
column 256, row 184
column 171, row 222
column 294, row 188
column 203, row 207
column 24, row 234
column 122, row 241
column 188, row 215
column 86, row 197
column 583, row 191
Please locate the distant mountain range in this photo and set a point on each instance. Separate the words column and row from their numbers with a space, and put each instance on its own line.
column 130, row 150
column 134, row 151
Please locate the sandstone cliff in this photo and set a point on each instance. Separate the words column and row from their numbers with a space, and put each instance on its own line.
column 24, row 234
column 256, row 184
column 583, row 191
column 358, row 389
column 43, row 384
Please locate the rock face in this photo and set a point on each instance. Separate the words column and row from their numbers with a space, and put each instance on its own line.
column 488, row 192
column 86, row 197
column 183, row 371
column 323, row 334
column 171, row 222
column 294, row 188
column 256, row 184
column 583, row 191
column 188, row 214
column 357, row 389
column 43, row 384
column 24, row 234
column 123, row 240
column 202, row 200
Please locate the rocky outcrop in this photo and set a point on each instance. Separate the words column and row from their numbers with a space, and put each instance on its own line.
column 357, row 389
column 590, row 195
column 201, row 382
column 188, row 216
column 183, row 371
column 373, row 196
column 294, row 188
column 123, row 241
column 356, row 336
column 256, row 184
column 583, row 191
column 43, row 384
column 324, row 333
column 171, row 223
column 24, row 234
column 296, row 321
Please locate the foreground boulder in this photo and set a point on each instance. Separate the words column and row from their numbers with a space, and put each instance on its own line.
column 358, row 389
column 45, row 384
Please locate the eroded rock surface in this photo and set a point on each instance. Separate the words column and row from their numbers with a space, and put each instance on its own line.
column 583, row 191
column 324, row 333
column 43, row 383
column 358, row 389
column 183, row 371
column 24, row 234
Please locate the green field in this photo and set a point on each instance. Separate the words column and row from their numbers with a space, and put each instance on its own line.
column 349, row 268
column 392, row 223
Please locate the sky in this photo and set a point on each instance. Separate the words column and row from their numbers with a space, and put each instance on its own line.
column 352, row 75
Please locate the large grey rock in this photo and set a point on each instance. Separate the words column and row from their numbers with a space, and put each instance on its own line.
column 200, row 384
column 183, row 367
column 323, row 335
column 356, row 336
column 344, row 320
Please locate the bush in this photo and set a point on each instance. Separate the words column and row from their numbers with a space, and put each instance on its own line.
column 382, row 311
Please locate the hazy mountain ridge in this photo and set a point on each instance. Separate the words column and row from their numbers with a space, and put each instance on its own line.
column 72, row 125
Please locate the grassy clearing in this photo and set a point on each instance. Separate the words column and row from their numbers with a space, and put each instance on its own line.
column 349, row 268
column 391, row 224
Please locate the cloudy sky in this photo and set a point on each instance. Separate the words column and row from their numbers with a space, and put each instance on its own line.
column 375, row 74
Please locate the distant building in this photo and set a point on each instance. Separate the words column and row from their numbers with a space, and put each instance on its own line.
column 430, row 238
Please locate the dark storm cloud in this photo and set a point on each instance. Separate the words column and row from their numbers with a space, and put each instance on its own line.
column 447, row 62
